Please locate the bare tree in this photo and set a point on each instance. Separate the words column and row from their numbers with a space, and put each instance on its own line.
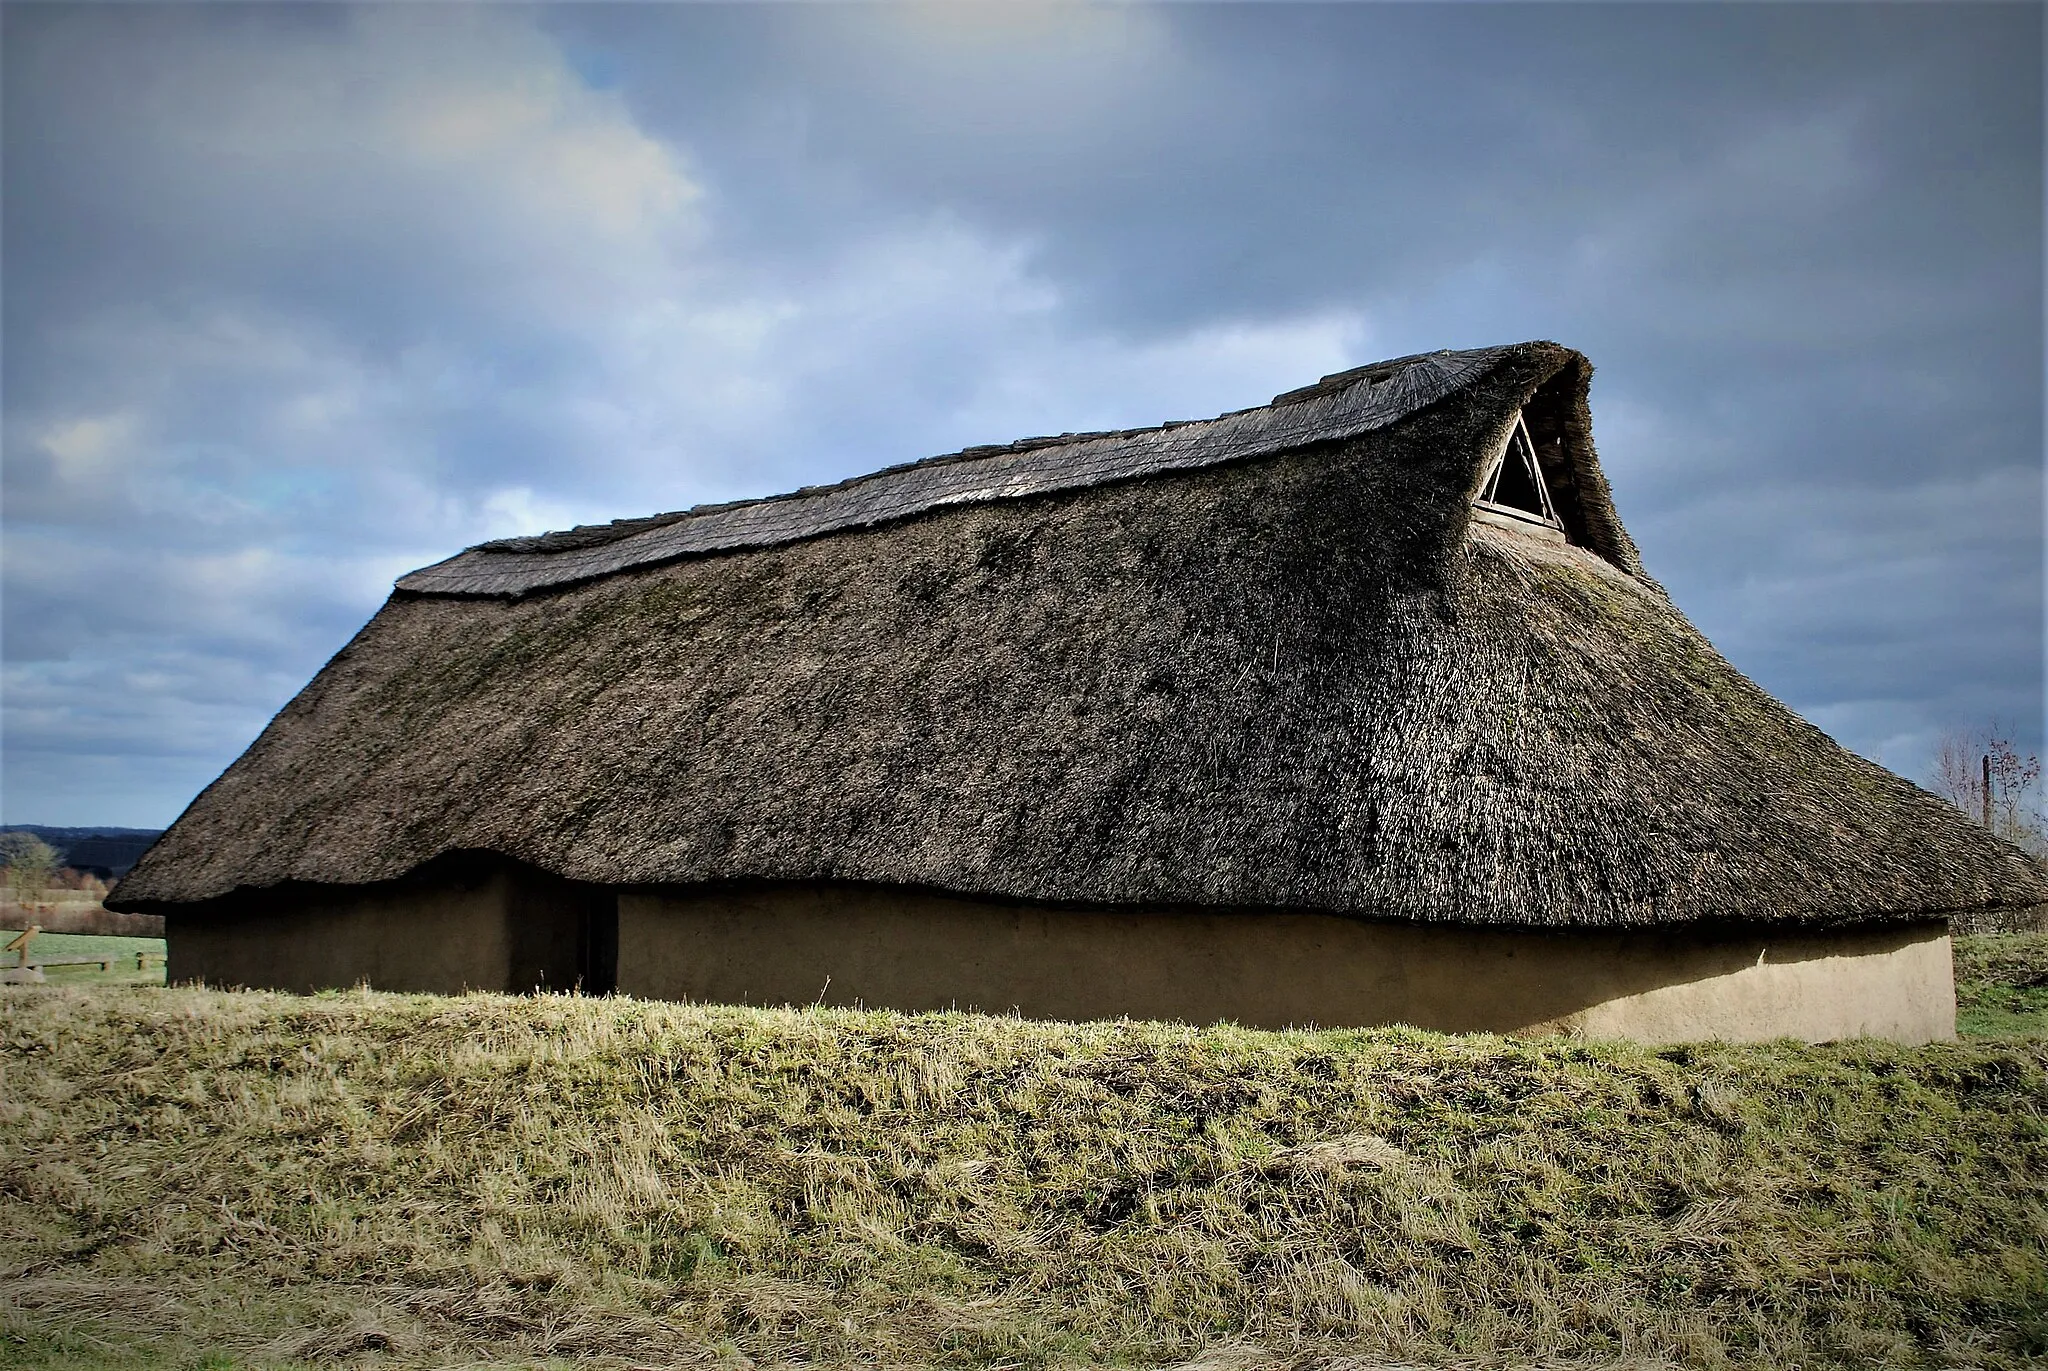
column 71, row 878
column 1980, row 772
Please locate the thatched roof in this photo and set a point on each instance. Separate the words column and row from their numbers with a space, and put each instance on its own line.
column 1270, row 659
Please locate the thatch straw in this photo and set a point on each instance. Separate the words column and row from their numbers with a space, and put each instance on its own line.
column 1342, row 406
column 1300, row 679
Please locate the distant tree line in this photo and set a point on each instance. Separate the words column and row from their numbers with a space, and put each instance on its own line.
column 31, row 866
column 34, row 870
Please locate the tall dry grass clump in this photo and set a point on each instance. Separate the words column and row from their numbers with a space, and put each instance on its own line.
column 428, row 1180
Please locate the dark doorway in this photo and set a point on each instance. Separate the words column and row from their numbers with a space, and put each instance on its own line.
column 597, row 958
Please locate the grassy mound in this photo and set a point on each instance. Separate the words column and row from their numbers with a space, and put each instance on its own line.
column 263, row 1179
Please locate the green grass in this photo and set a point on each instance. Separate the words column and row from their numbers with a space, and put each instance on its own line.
column 92, row 945
column 2002, row 986
column 418, row 1181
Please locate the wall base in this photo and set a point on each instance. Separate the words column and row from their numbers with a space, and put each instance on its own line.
column 916, row 951
column 482, row 924
column 454, row 925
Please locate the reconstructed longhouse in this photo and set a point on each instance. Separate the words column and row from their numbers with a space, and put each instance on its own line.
column 1354, row 708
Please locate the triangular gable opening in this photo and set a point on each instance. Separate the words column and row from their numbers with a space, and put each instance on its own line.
column 1514, row 485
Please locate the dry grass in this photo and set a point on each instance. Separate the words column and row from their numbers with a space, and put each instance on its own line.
column 265, row 1180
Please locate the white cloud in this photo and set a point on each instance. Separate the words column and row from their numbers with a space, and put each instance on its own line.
column 91, row 448
column 515, row 510
column 302, row 297
column 527, row 320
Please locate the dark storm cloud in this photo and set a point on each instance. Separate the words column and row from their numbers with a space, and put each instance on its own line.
column 1219, row 160
column 298, row 297
column 1803, row 244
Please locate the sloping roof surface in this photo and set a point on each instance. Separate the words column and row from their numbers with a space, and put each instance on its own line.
column 1343, row 406
column 1307, row 681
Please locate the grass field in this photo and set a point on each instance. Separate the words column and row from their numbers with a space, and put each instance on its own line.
column 2002, row 986
column 268, row 1180
column 92, row 945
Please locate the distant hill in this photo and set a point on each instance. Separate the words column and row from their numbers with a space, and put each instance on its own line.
column 105, row 852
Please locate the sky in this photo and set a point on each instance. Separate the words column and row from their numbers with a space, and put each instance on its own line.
column 296, row 298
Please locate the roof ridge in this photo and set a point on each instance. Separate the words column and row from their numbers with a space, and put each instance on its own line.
column 626, row 528
column 1342, row 405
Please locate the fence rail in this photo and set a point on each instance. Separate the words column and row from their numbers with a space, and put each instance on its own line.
column 30, row 969
column 141, row 961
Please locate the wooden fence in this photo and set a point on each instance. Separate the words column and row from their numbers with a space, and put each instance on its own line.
column 30, row 969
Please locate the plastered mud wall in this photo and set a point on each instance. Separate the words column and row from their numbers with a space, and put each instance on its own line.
column 911, row 950
column 491, row 927
column 456, row 926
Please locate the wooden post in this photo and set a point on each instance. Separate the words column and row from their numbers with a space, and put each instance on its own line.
column 1987, row 790
column 21, row 942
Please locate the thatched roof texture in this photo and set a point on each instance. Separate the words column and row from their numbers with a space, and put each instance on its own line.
column 1265, row 660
